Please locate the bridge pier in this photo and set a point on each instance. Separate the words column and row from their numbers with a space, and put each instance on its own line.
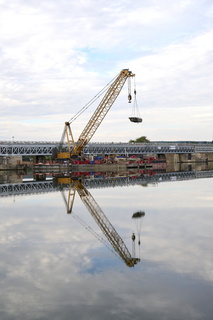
column 172, row 162
column 177, row 162
column 189, row 157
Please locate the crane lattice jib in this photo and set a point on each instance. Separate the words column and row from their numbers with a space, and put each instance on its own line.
column 105, row 225
column 101, row 111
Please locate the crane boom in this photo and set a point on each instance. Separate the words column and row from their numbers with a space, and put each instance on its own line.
column 101, row 111
column 104, row 224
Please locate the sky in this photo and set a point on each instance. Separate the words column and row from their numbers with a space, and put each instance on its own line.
column 55, row 56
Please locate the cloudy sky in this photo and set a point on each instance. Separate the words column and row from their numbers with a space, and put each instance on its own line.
column 57, row 55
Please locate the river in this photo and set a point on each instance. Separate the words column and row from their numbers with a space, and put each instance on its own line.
column 59, row 265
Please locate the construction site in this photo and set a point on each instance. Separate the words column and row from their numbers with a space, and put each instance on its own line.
column 74, row 149
column 73, row 155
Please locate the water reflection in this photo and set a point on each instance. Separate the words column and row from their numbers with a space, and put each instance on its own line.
column 103, row 222
column 52, row 268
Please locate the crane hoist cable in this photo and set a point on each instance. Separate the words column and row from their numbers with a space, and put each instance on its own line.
column 95, row 234
column 69, row 205
column 135, row 116
column 138, row 218
column 89, row 103
column 104, row 224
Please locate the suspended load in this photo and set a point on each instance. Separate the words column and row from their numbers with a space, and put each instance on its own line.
column 138, row 214
column 138, row 218
column 135, row 117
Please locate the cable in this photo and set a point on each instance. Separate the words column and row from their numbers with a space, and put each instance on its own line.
column 88, row 104
column 102, row 240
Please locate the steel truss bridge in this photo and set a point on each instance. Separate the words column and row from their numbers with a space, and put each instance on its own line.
column 38, row 187
column 45, row 148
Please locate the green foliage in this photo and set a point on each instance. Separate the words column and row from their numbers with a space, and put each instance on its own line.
column 140, row 140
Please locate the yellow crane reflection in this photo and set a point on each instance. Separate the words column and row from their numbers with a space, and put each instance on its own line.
column 105, row 225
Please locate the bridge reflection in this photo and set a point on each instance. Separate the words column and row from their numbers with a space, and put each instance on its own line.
column 35, row 184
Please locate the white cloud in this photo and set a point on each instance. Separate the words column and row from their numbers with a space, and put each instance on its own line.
column 55, row 57
column 179, row 74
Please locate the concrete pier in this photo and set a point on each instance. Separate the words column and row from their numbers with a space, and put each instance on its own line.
column 176, row 162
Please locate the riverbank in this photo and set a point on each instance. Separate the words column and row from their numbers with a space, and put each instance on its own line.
column 170, row 162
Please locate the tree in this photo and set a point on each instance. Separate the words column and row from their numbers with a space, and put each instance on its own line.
column 140, row 140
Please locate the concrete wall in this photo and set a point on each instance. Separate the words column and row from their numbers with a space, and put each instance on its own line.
column 10, row 162
column 9, row 177
column 196, row 157
column 187, row 162
column 189, row 157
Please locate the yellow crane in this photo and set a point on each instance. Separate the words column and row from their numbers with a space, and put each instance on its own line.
column 107, row 228
column 75, row 148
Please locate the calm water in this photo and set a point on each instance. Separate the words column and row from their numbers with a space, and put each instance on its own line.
column 55, row 265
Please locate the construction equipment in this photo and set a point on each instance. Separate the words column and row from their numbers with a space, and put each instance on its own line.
column 107, row 228
column 75, row 148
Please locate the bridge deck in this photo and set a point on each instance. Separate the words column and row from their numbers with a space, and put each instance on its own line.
column 45, row 148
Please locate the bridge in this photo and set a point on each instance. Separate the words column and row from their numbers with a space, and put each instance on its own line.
column 34, row 148
column 38, row 187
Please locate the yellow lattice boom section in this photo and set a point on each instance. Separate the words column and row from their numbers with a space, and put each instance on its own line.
column 101, row 111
